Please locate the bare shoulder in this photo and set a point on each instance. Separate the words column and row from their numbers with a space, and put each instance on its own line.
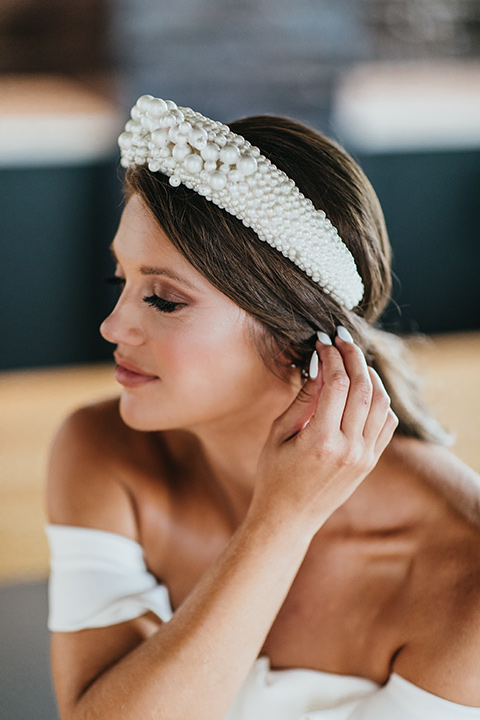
column 442, row 649
column 443, row 480
column 88, row 479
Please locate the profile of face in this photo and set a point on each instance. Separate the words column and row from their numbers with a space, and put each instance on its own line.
column 185, row 352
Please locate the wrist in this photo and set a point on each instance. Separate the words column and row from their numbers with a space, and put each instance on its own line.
column 291, row 525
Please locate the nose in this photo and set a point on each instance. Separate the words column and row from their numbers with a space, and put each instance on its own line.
column 121, row 326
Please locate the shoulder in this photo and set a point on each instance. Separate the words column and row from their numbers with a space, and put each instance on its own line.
column 440, row 480
column 89, row 483
column 441, row 652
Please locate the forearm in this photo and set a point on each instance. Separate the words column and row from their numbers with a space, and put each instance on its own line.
column 195, row 665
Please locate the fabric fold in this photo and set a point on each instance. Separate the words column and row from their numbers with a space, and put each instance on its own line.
column 99, row 579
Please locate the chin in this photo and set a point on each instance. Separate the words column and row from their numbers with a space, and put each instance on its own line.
column 136, row 416
column 145, row 415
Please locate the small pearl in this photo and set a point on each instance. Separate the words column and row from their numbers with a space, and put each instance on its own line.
column 210, row 165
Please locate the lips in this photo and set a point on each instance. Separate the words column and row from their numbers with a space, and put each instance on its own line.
column 130, row 375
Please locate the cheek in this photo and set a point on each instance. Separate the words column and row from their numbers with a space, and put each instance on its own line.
column 209, row 353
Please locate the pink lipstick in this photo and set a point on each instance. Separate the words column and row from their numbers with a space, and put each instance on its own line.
column 130, row 375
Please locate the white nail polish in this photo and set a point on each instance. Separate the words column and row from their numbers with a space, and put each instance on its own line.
column 343, row 334
column 313, row 367
column 323, row 337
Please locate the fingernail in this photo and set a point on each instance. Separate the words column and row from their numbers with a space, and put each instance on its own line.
column 323, row 337
column 313, row 367
column 344, row 335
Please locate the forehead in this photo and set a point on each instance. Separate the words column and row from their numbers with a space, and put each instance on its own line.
column 139, row 234
column 141, row 245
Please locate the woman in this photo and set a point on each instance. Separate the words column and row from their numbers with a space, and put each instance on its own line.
column 252, row 531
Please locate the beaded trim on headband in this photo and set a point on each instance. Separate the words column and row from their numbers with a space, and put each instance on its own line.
column 226, row 169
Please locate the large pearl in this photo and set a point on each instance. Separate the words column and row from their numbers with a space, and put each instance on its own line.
column 210, row 152
column 198, row 138
column 229, row 154
column 125, row 140
column 193, row 163
column 156, row 107
column 143, row 103
column 159, row 137
column 247, row 165
column 180, row 152
column 217, row 180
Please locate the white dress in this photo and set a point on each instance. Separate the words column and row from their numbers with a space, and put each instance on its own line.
column 99, row 578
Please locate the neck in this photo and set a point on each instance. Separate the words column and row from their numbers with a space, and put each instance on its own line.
column 229, row 449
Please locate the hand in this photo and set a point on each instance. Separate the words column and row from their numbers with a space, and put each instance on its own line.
column 329, row 439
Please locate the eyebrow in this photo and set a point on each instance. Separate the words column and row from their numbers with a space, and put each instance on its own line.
column 151, row 270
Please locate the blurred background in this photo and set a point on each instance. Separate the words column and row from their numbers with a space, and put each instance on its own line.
column 395, row 81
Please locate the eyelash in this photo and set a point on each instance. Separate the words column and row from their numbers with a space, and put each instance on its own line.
column 155, row 301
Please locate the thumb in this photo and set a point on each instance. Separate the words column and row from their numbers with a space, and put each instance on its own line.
column 298, row 414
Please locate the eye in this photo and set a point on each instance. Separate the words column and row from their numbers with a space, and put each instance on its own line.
column 165, row 306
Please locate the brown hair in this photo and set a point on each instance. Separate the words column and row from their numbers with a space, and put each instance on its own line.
column 289, row 306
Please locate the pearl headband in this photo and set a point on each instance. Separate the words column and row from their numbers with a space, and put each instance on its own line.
column 209, row 158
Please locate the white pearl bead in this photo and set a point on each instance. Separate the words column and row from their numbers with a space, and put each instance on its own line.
column 184, row 128
column 211, row 151
column 132, row 126
column 160, row 137
column 198, row 138
column 143, row 102
column 180, row 152
column 175, row 181
column 193, row 163
column 156, row 107
column 229, row 154
column 217, row 180
column 125, row 140
column 178, row 115
column 246, row 165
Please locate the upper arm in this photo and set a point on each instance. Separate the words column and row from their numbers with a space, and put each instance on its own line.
column 85, row 489
column 443, row 657
column 85, row 486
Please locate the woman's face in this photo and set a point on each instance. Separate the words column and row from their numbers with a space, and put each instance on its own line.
column 185, row 354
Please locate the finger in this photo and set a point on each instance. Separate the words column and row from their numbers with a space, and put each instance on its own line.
column 386, row 433
column 299, row 413
column 333, row 395
column 360, row 390
column 379, row 408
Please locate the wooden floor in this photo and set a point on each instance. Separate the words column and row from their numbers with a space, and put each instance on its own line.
column 33, row 403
